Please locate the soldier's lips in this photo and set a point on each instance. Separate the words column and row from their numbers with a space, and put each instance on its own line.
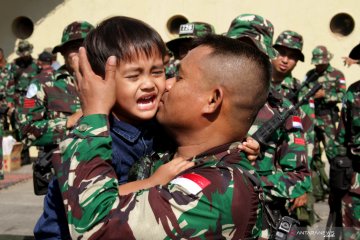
column 147, row 102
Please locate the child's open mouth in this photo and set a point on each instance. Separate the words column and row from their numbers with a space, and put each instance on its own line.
column 147, row 102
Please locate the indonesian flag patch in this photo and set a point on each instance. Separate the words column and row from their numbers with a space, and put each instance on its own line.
column 191, row 182
column 312, row 103
column 342, row 83
column 296, row 122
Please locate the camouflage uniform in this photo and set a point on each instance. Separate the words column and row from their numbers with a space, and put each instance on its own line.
column 326, row 111
column 25, row 71
column 215, row 209
column 290, row 85
column 283, row 167
column 5, row 75
column 348, row 143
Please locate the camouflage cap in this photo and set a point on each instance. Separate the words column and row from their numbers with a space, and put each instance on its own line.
column 74, row 31
column 24, row 48
column 259, row 30
column 291, row 39
column 189, row 31
column 320, row 55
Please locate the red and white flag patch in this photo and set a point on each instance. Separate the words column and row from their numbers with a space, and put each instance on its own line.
column 296, row 122
column 342, row 83
column 191, row 182
column 312, row 103
column 29, row 103
column 299, row 141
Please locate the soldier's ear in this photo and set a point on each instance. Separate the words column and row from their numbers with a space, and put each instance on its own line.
column 214, row 101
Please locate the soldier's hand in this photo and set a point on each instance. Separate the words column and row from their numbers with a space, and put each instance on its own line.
column 349, row 61
column 251, row 147
column 320, row 93
column 299, row 201
column 73, row 119
column 97, row 95
column 170, row 170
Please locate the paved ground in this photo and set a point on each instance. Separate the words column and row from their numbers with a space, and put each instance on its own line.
column 20, row 208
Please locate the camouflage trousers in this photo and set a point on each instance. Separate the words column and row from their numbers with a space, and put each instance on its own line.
column 351, row 216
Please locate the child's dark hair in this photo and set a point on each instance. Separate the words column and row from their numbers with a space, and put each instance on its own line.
column 123, row 37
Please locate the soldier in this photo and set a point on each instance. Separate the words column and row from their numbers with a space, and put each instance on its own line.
column 326, row 110
column 289, row 45
column 283, row 167
column 347, row 148
column 3, row 105
column 6, row 75
column 187, row 32
column 26, row 69
column 223, row 205
column 50, row 108
column 179, row 46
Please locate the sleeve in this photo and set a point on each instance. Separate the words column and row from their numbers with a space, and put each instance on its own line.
column 340, row 147
column 36, row 128
column 291, row 178
column 10, row 85
column 176, row 210
column 338, row 88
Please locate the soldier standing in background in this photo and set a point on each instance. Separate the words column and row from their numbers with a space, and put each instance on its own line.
column 179, row 46
column 26, row 69
column 346, row 164
column 50, row 108
column 283, row 167
column 289, row 45
column 3, row 105
column 187, row 32
column 326, row 112
column 6, row 75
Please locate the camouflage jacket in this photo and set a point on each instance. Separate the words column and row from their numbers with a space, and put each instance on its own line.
column 283, row 166
column 17, row 87
column 7, row 75
column 334, row 84
column 220, row 201
column 50, row 99
column 288, row 87
column 348, row 136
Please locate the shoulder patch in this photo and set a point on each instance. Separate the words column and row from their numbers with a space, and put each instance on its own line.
column 191, row 183
column 296, row 122
column 32, row 90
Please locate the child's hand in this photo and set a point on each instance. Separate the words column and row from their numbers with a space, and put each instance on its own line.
column 251, row 147
column 168, row 171
column 97, row 95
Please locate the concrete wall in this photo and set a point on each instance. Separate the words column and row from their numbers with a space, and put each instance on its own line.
column 309, row 17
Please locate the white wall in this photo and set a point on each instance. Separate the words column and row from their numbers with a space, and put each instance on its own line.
column 311, row 18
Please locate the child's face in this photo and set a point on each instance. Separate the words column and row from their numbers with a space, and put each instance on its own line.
column 139, row 87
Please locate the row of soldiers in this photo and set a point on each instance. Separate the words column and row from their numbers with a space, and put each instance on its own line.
column 46, row 106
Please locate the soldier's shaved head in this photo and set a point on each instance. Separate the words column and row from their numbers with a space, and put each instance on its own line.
column 242, row 70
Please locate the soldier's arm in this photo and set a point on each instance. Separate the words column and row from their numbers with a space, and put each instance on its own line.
column 163, row 175
column 336, row 95
column 35, row 128
column 292, row 176
column 10, row 87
